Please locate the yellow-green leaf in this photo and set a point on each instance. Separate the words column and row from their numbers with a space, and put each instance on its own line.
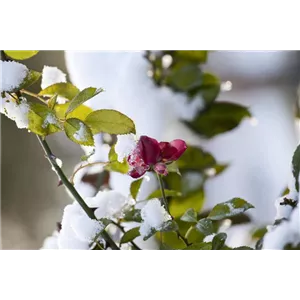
column 109, row 121
column 78, row 132
column 63, row 89
column 20, row 54
column 42, row 120
column 80, row 112
column 82, row 97
column 135, row 187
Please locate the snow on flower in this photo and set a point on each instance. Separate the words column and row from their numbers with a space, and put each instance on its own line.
column 150, row 154
column 78, row 231
column 16, row 112
column 125, row 145
column 12, row 75
column 50, row 76
column 108, row 204
column 154, row 216
column 81, row 134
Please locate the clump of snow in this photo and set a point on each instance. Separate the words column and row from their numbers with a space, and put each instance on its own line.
column 12, row 75
column 154, row 216
column 287, row 232
column 125, row 145
column 282, row 210
column 108, row 204
column 81, row 134
column 50, row 76
column 50, row 119
column 78, row 230
column 16, row 112
column 209, row 238
column 50, row 242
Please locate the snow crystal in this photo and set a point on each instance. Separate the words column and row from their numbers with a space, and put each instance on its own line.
column 109, row 204
column 81, row 133
column 154, row 216
column 16, row 112
column 50, row 76
column 50, row 119
column 12, row 75
column 125, row 145
column 287, row 232
column 209, row 238
column 78, row 230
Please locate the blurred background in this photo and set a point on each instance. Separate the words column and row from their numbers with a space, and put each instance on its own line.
column 259, row 151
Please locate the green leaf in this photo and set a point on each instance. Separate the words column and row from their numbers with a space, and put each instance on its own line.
column 189, row 216
column 135, row 187
column 78, row 132
column 169, row 226
column 133, row 215
column 164, row 246
column 42, row 120
column 178, row 206
column 116, row 166
column 205, row 226
column 52, row 102
column 110, row 121
column 218, row 118
column 219, row 168
column 199, row 246
column 296, row 166
column 31, row 78
column 171, row 239
column 130, row 235
column 20, row 54
column 63, row 89
column 195, row 159
column 112, row 155
column 259, row 233
column 210, row 87
column 168, row 193
column 185, row 77
column 82, row 97
column 80, row 112
column 229, row 208
column 219, row 241
column 198, row 56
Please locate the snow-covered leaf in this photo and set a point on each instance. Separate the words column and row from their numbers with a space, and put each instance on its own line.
column 219, row 241
column 20, row 54
column 168, row 193
column 229, row 208
column 189, row 216
column 82, row 97
column 135, row 187
column 296, row 166
column 31, row 78
column 205, row 226
column 63, row 89
column 42, row 120
column 198, row 56
column 130, row 235
column 78, row 132
column 109, row 121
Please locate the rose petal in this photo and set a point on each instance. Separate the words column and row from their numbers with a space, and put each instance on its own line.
column 167, row 151
column 161, row 169
column 149, row 150
column 181, row 146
